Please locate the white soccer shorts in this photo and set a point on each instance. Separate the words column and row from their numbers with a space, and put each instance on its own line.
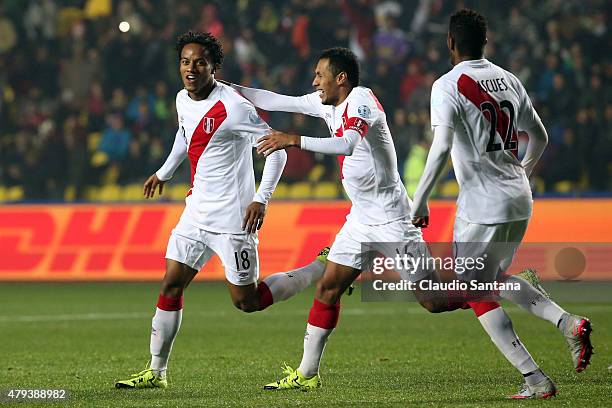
column 194, row 246
column 498, row 243
column 348, row 250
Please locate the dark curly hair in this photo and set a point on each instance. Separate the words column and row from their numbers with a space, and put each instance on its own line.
column 208, row 41
column 469, row 30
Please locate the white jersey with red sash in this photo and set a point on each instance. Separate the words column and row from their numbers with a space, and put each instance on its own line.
column 486, row 106
column 218, row 135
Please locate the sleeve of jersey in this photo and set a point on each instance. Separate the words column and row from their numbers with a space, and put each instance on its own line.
column 528, row 117
column 249, row 124
column 343, row 146
column 309, row 104
column 443, row 106
column 436, row 160
column 175, row 158
column 272, row 171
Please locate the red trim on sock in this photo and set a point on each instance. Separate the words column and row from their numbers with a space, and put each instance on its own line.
column 265, row 296
column 481, row 308
column 169, row 304
column 323, row 315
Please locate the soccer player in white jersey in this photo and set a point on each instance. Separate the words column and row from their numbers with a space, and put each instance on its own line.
column 218, row 130
column 476, row 110
column 380, row 211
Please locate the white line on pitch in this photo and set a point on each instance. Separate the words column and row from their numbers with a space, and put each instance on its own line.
column 301, row 312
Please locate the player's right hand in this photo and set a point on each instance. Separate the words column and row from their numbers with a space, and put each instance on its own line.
column 420, row 222
column 151, row 184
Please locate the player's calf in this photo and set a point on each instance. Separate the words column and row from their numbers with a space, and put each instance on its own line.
column 246, row 298
column 440, row 301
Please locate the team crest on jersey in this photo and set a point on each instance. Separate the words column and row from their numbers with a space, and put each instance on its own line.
column 208, row 125
column 363, row 111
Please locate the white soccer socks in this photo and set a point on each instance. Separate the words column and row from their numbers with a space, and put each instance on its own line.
column 165, row 326
column 322, row 320
column 498, row 326
column 284, row 285
column 532, row 300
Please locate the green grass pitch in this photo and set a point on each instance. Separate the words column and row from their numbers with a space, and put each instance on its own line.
column 82, row 337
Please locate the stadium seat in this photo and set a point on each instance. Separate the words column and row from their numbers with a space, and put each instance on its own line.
column 132, row 192
column 93, row 140
column 98, row 8
column 326, row 190
column 540, row 186
column 281, row 191
column 98, row 159
column 109, row 192
column 2, row 194
column 564, row 187
column 69, row 193
column 300, row 190
column 92, row 193
column 177, row 192
column 450, row 188
column 14, row 193
column 316, row 173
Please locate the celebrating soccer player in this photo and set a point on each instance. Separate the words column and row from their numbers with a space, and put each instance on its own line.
column 217, row 132
column 476, row 110
column 380, row 211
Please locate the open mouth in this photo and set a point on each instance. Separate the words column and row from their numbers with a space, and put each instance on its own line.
column 191, row 79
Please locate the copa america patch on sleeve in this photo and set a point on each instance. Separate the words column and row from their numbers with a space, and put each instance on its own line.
column 364, row 111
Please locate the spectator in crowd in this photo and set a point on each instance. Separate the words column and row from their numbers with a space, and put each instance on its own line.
column 115, row 139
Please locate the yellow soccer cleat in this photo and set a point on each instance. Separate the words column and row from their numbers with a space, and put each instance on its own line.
column 294, row 380
column 322, row 255
column 144, row 379
column 531, row 276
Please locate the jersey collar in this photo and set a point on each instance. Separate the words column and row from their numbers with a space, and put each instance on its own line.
column 344, row 102
column 472, row 63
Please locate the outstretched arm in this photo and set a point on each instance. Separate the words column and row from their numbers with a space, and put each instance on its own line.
column 276, row 140
column 271, row 101
column 436, row 160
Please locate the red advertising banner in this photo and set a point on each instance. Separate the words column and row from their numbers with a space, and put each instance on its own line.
column 128, row 241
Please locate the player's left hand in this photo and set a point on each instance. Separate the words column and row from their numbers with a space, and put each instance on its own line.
column 254, row 217
column 421, row 222
column 276, row 140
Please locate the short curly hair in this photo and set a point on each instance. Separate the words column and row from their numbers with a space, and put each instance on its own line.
column 207, row 40
column 342, row 60
column 469, row 30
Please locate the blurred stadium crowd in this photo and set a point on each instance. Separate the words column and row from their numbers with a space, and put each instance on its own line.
column 87, row 111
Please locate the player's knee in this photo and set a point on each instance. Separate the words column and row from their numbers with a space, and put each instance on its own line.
column 433, row 307
column 246, row 305
column 327, row 294
column 171, row 289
